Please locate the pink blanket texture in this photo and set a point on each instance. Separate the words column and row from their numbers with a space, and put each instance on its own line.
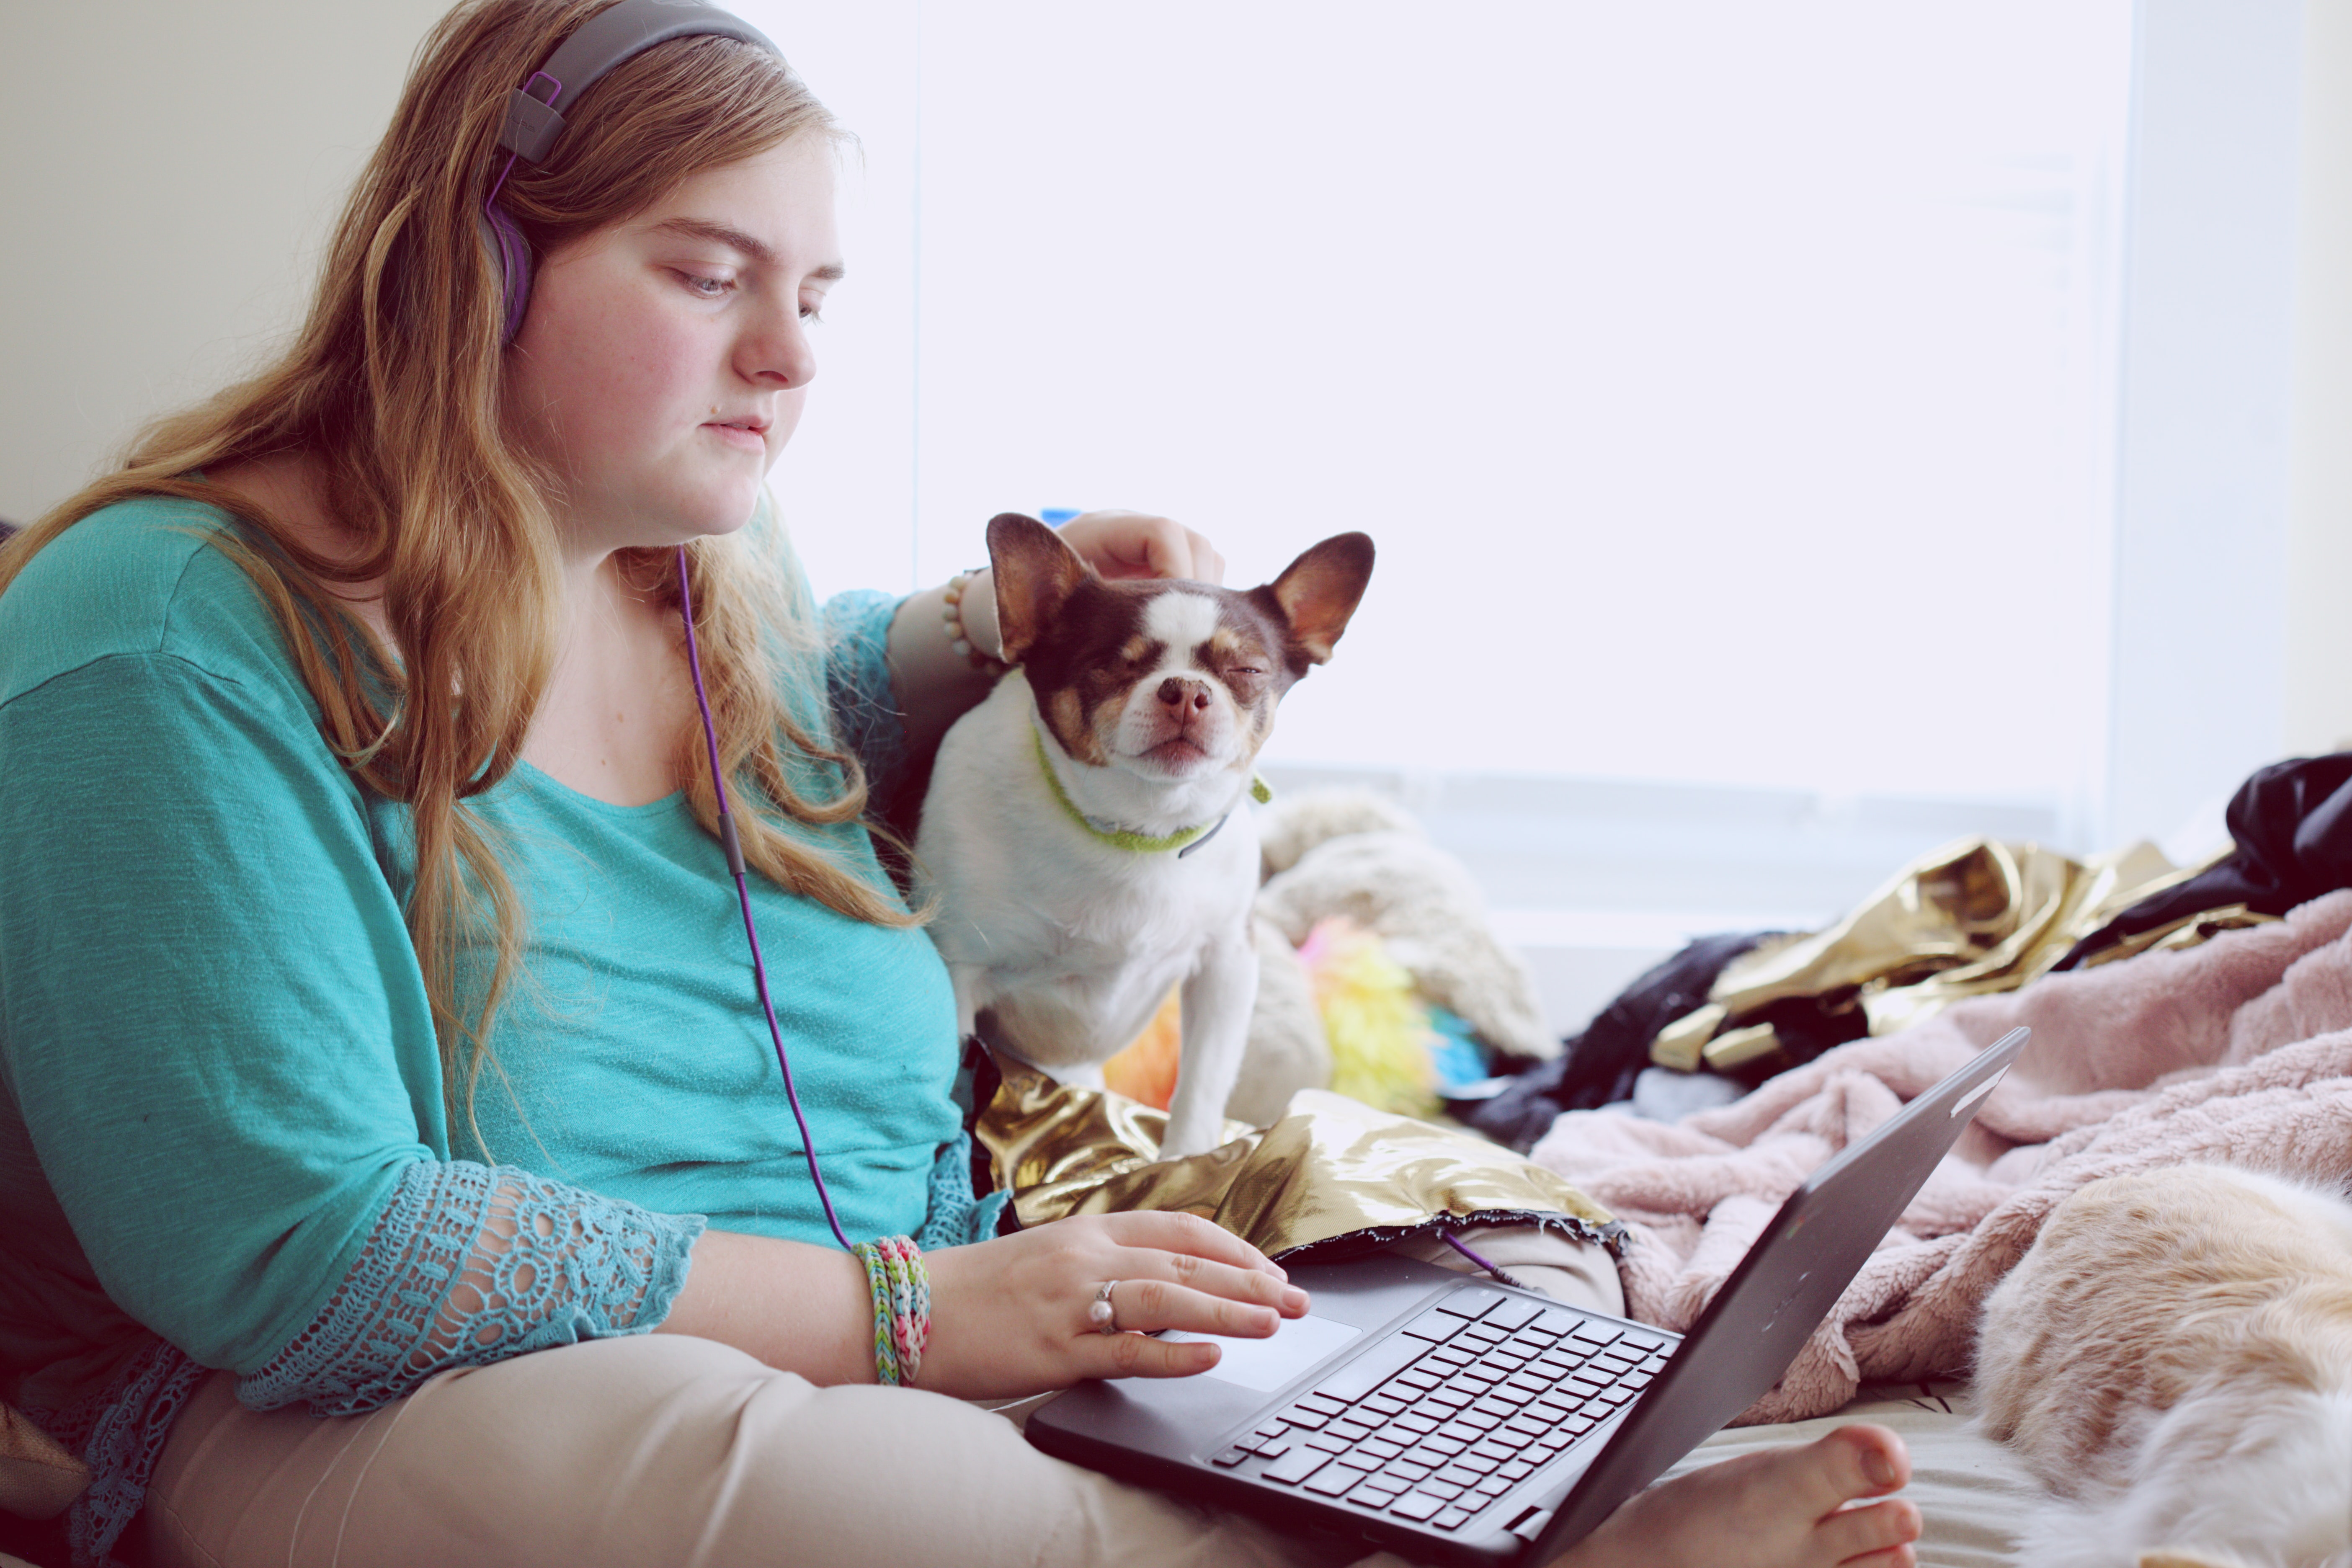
column 2239, row 1051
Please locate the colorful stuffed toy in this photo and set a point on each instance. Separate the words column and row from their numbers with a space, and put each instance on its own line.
column 1397, row 988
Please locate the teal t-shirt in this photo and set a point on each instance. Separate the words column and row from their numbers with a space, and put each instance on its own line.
column 636, row 1058
column 217, row 1062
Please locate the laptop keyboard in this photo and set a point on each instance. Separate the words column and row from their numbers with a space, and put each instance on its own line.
column 1449, row 1414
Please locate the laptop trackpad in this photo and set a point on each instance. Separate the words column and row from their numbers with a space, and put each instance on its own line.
column 1266, row 1365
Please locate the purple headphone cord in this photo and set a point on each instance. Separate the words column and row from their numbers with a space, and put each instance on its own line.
column 1500, row 1273
column 734, row 848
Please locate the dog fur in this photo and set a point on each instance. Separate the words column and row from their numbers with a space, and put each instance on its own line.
column 1148, row 700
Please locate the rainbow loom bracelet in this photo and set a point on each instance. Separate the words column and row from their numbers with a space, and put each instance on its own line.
column 910, row 1301
column 877, row 1281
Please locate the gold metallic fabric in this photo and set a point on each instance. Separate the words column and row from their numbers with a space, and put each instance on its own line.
column 1975, row 917
column 1682, row 1044
column 1735, row 1048
column 2186, row 931
column 1332, row 1175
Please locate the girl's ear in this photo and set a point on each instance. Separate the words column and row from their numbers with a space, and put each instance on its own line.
column 1036, row 574
column 1318, row 591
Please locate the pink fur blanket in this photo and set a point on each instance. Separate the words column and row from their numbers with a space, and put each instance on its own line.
column 2238, row 1051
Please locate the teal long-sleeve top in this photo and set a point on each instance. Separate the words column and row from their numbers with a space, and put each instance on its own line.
column 223, row 1115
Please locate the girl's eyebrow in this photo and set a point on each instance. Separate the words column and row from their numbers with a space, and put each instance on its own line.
column 758, row 249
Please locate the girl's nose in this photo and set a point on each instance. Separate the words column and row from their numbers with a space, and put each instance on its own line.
column 780, row 352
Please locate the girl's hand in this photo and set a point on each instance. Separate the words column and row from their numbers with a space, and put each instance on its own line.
column 1115, row 544
column 1137, row 544
column 1009, row 1316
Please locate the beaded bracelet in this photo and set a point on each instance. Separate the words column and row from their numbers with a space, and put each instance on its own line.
column 960, row 639
column 901, row 1289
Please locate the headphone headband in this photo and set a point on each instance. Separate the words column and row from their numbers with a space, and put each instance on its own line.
column 618, row 33
column 534, row 117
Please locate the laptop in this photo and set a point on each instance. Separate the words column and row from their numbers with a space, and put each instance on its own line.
column 1456, row 1420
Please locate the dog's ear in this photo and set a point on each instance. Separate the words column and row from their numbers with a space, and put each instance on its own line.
column 1317, row 592
column 1036, row 574
column 2174, row 1559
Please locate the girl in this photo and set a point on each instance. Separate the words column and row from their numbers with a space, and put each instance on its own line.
column 378, row 1046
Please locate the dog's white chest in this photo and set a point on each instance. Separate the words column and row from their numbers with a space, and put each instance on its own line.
column 1072, row 940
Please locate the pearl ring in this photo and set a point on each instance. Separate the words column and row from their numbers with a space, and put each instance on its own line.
column 1101, row 1312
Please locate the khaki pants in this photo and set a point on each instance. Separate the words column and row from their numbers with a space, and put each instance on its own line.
column 664, row 1450
column 653, row 1451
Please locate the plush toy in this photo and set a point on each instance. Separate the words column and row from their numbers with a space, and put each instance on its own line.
column 1380, row 1032
column 1297, row 823
column 1288, row 1048
column 1396, row 988
column 1347, row 856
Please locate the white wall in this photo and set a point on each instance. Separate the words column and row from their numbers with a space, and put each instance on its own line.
column 2201, row 551
column 2318, row 689
column 1653, row 345
column 167, row 174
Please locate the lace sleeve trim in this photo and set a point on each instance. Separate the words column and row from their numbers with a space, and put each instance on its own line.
column 957, row 1219
column 470, row 1264
column 858, row 683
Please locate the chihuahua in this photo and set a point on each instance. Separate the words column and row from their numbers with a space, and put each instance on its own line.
column 1086, row 835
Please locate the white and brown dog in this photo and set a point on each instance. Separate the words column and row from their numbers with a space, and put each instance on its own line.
column 1086, row 832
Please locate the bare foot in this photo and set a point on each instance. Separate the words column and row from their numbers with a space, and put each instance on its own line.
column 1785, row 1509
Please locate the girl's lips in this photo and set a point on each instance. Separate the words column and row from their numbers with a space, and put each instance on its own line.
column 741, row 436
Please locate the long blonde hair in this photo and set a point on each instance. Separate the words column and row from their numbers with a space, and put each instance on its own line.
column 392, row 390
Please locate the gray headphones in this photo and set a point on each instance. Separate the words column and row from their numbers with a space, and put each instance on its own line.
column 534, row 119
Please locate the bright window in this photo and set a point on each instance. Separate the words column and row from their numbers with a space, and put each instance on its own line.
column 1725, row 386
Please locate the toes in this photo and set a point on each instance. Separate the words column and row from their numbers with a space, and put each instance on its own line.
column 1900, row 1556
column 1858, row 1533
column 1853, row 1462
column 1893, row 1557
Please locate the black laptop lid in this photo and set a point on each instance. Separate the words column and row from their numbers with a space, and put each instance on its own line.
column 1780, row 1290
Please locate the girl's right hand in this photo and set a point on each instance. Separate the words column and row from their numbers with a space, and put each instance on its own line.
column 1009, row 1317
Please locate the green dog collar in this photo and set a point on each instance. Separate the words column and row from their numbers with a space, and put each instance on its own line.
column 1184, row 840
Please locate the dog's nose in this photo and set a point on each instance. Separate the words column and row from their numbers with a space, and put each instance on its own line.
column 1176, row 692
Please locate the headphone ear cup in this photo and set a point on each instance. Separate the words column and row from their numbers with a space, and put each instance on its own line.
column 511, row 256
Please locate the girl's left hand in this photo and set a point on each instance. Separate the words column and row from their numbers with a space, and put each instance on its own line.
column 1138, row 544
column 1010, row 1316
